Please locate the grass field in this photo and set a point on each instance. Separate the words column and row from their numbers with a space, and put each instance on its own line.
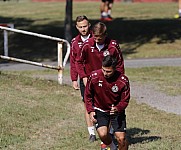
column 32, row 118
column 143, row 30
column 40, row 114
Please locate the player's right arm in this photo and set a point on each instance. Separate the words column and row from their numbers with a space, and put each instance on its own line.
column 81, row 61
column 88, row 95
column 73, row 70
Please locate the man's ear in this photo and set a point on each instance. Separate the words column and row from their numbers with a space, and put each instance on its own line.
column 89, row 25
column 76, row 27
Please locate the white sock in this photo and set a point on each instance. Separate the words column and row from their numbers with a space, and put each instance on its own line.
column 91, row 130
column 112, row 146
column 104, row 14
column 179, row 11
column 109, row 12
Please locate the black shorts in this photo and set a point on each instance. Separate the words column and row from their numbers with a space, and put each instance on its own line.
column 82, row 88
column 118, row 121
column 110, row 1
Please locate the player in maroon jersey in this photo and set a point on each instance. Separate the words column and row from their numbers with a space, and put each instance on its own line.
column 83, row 26
column 107, row 95
column 95, row 49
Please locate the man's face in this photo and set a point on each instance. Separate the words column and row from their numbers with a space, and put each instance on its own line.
column 99, row 39
column 108, row 71
column 83, row 27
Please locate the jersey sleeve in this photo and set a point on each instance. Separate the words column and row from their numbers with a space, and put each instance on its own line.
column 88, row 95
column 81, row 60
column 73, row 55
column 119, row 56
column 125, row 94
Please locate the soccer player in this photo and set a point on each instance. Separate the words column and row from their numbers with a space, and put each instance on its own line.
column 95, row 49
column 105, row 9
column 106, row 96
column 83, row 27
column 178, row 16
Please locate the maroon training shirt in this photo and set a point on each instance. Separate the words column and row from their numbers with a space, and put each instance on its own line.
column 76, row 45
column 90, row 58
column 102, row 92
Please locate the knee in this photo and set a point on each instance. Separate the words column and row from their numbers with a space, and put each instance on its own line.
column 105, row 138
column 122, row 141
column 103, row 135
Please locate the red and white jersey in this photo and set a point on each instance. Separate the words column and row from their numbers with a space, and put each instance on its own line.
column 102, row 93
column 90, row 58
column 76, row 45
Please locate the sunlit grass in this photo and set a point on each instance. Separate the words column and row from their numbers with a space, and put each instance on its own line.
column 143, row 30
column 165, row 79
column 41, row 114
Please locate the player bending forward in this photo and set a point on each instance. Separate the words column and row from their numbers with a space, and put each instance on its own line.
column 107, row 95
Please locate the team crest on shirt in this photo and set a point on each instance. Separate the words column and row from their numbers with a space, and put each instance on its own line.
column 115, row 88
column 106, row 53
column 113, row 43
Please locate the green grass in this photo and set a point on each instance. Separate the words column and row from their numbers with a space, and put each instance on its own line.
column 165, row 79
column 40, row 114
column 143, row 30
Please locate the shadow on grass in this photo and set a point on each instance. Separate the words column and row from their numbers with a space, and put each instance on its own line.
column 137, row 135
column 133, row 33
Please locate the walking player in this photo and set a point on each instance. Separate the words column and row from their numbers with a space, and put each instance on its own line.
column 107, row 95
column 95, row 49
column 83, row 26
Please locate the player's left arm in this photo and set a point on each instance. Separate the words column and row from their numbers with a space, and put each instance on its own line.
column 124, row 95
column 118, row 54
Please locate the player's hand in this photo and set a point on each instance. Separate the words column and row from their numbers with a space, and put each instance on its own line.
column 114, row 110
column 75, row 85
column 85, row 80
column 92, row 117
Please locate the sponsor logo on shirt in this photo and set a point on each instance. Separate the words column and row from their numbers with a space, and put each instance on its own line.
column 92, row 49
column 100, row 83
column 80, row 44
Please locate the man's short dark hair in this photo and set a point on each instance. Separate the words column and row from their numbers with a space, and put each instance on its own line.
column 109, row 61
column 81, row 18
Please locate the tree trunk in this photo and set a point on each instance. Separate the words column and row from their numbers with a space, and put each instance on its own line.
column 68, row 21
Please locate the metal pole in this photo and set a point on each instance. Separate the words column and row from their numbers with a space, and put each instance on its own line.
column 33, row 34
column 5, row 43
column 42, row 36
column 60, row 71
column 30, row 62
column 60, row 51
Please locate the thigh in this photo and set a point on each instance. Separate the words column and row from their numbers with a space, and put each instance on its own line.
column 102, row 131
column 120, row 135
column 82, row 88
